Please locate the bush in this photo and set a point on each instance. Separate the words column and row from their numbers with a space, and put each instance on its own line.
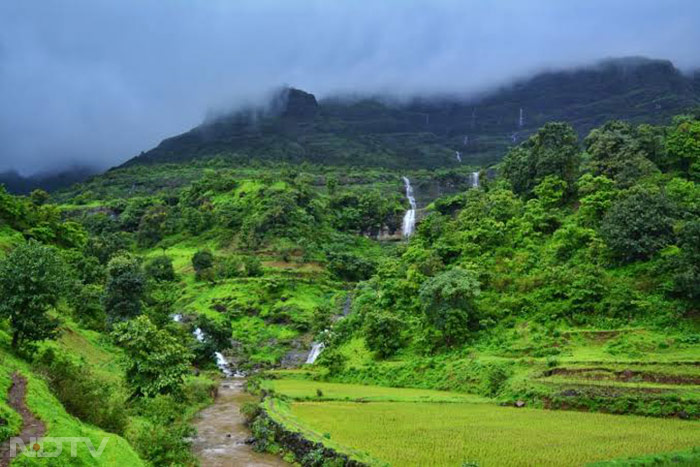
column 383, row 333
column 202, row 262
column 494, row 379
column 638, row 226
column 161, row 269
column 84, row 394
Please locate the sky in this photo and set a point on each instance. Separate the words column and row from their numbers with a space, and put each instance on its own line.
column 95, row 82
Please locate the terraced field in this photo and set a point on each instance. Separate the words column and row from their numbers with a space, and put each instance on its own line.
column 413, row 427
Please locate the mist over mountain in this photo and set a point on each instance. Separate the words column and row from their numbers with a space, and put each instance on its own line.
column 152, row 69
column 437, row 131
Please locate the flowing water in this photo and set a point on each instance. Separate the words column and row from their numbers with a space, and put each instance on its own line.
column 316, row 350
column 459, row 156
column 409, row 219
column 221, row 431
column 474, row 179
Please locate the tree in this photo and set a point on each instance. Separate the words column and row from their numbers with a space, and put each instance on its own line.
column 32, row 280
column 202, row 262
column 553, row 150
column 616, row 151
column 638, row 226
column 448, row 303
column 687, row 266
column 161, row 269
column 383, row 333
column 39, row 196
column 125, row 288
column 156, row 362
column 683, row 146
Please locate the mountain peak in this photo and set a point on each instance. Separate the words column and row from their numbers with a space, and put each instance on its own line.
column 295, row 103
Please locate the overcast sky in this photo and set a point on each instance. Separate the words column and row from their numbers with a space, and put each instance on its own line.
column 97, row 81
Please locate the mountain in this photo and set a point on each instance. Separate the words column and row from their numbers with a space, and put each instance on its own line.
column 16, row 183
column 427, row 132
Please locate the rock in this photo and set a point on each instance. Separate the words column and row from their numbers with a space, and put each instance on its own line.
column 683, row 415
column 570, row 393
column 298, row 104
column 228, row 435
column 520, row 403
column 250, row 440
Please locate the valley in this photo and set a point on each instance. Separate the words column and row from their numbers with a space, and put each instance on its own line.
column 334, row 285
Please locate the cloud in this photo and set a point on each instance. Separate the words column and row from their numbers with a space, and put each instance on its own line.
column 98, row 81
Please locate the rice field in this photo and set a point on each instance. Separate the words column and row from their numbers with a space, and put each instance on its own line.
column 453, row 434
column 308, row 389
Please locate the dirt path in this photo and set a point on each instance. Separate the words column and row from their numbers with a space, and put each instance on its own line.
column 32, row 427
column 221, row 432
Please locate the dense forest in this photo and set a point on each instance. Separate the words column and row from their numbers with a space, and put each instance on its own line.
column 571, row 270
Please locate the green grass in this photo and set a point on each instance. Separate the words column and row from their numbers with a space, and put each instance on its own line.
column 437, row 434
column 59, row 423
column 307, row 389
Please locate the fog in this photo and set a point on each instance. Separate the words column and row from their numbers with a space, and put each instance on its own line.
column 96, row 82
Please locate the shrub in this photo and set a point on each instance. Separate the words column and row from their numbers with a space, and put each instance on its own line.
column 161, row 269
column 83, row 393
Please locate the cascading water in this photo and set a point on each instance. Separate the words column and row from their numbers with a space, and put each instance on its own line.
column 409, row 219
column 459, row 156
column 220, row 359
column 223, row 364
column 474, row 179
column 316, row 350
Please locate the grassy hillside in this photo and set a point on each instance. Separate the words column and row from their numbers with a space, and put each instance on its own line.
column 567, row 280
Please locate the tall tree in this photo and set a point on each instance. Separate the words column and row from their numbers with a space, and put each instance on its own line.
column 156, row 362
column 553, row 150
column 125, row 288
column 32, row 280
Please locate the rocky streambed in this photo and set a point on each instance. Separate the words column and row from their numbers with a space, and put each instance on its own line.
column 222, row 434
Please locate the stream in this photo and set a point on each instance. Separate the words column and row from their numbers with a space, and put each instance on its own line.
column 221, row 431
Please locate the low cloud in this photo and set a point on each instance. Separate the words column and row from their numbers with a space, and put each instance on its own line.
column 96, row 81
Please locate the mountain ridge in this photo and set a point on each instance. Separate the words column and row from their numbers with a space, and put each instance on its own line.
column 427, row 132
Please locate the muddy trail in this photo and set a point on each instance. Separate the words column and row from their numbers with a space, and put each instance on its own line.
column 32, row 427
column 221, row 432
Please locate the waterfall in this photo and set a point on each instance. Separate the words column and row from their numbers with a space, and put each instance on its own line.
column 316, row 350
column 220, row 359
column 474, row 179
column 459, row 156
column 409, row 219
column 223, row 364
column 521, row 121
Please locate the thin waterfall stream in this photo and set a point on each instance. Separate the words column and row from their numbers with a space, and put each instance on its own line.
column 409, row 219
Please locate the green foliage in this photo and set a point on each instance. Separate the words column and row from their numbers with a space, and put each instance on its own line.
column 617, row 152
column 333, row 361
column 215, row 336
column 683, row 146
column 32, row 280
column 88, row 308
column 552, row 151
column 156, row 362
column 160, row 269
column 84, row 394
column 638, row 225
column 125, row 288
column 383, row 333
column 448, row 303
column 203, row 262
column 350, row 267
